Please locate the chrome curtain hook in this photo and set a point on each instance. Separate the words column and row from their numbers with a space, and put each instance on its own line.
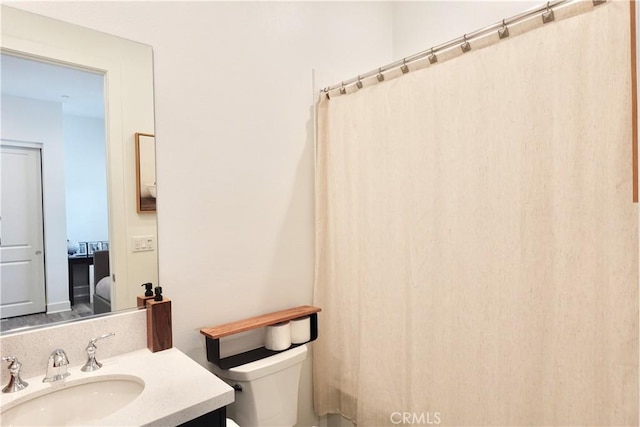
column 405, row 67
column 380, row 76
column 359, row 83
column 433, row 58
column 465, row 46
column 343, row 90
column 548, row 16
column 503, row 33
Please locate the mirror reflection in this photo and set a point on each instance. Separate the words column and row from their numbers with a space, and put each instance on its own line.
column 69, row 222
column 63, row 108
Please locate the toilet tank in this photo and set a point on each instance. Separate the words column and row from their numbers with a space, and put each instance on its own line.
column 269, row 395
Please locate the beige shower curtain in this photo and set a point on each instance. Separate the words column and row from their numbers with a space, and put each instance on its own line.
column 477, row 244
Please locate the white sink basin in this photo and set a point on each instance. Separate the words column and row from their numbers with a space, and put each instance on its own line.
column 73, row 403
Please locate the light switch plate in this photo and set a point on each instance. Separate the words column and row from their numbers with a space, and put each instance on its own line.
column 143, row 243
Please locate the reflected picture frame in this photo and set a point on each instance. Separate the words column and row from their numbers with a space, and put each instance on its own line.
column 92, row 247
column 145, row 172
column 82, row 248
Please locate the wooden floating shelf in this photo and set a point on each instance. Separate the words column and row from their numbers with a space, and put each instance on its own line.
column 258, row 321
column 214, row 334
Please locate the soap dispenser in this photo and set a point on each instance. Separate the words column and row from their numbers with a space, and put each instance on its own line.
column 148, row 294
column 158, row 292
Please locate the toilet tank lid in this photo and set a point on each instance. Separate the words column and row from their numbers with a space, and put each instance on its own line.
column 266, row 366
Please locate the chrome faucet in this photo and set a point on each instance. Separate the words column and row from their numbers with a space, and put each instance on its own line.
column 57, row 366
column 92, row 364
column 15, row 383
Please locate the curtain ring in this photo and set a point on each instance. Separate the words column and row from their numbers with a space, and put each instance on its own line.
column 405, row 67
column 503, row 33
column 359, row 83
column 548, row 16
column 380, row 76
column 433, row 58
column 343, row 90
column 465, row 46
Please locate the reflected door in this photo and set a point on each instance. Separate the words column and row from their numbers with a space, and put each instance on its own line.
column 22, row 288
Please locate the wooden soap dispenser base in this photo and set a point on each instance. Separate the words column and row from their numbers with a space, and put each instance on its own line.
column 159, row 331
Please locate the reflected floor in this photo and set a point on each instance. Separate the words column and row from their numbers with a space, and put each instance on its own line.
column 78, row 311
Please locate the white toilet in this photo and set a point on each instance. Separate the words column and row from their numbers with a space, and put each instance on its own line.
column 269, row 390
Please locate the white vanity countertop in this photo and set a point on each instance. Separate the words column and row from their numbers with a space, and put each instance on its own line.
column 177, row 389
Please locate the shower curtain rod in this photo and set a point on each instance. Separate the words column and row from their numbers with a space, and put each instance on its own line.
column 546, row 10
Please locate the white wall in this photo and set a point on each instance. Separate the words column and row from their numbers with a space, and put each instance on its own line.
column 241, row 185
column 30, row 120
column 86, row 179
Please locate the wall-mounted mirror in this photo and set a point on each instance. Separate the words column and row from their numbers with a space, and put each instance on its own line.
column 81, row 251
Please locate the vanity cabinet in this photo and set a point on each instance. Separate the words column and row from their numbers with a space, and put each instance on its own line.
column 217, row 418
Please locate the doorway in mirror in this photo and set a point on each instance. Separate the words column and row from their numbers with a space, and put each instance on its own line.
column 22, row 289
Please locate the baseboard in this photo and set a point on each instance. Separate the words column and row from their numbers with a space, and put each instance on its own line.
column 58, row 307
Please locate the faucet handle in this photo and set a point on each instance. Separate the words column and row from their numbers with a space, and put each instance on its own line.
column 15, row 383
column 92, row 364
column 92, row 342
column 13, row 360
